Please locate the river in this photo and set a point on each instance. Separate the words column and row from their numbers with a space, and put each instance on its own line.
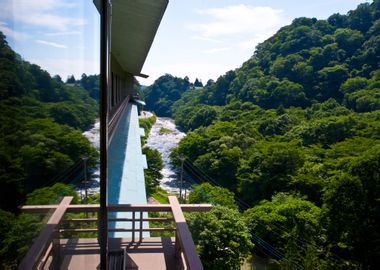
column 93, row 184
column 163, row 142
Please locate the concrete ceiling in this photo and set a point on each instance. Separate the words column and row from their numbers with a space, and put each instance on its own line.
column 134, row 26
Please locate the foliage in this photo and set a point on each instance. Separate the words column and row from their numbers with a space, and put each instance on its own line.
column 146, row 124
column 160, row 195
column 51, row 195
column 284, row 219
column 165, row 131
column 206, row 193
column 221, row 237
column 91, row 84
column 41, row 125
column 153, row 173
column 352, row 209
column 18, row 239
column 268, row 170
column 165, row 90
column 301, row 118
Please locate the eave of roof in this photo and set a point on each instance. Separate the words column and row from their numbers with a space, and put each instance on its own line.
column 133, row 28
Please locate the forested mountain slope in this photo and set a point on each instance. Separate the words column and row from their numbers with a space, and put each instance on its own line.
column 161, row 95
column 295, row 132
column 41, row 125
column 41, row 122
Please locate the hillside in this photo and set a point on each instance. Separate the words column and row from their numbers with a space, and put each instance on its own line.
column 295, row 133
column 41, row 124
column 161, row 95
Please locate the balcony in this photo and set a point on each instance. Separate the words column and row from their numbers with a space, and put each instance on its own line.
column 54, row 250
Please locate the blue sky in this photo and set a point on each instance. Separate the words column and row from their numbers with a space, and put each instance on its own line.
column 197, row 38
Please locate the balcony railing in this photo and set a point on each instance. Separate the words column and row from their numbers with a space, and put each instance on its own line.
column 115, row 114
column 46, row 248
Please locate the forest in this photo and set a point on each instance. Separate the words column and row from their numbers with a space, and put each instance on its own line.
column 41, row 124
column 295, row 134
column 289, row 144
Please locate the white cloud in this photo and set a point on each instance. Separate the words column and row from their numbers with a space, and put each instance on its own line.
column 53, row 21
column 239, row 19
column 40, row 5
column 216, row 50
column 40, row 13
column 240, row 26
column 12, row 33
column 52, row 44
column 66, row 33
column 206, row 39
column 65, row 67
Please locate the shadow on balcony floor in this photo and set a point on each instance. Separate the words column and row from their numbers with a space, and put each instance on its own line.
column 151, row 253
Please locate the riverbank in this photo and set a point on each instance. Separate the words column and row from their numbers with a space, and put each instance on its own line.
column 164, row 136
column 165, row 142
column 93, row 183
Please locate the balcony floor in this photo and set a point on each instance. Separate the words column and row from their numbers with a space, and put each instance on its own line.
column 151, row 253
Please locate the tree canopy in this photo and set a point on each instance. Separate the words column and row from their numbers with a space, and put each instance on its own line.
column 294, row 132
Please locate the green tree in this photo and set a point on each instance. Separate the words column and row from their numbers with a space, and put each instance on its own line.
column 198, row 83
column 51, row 195
column 71, row 79
column 206, row 193
column 153, row 173
column 221, row 236
column 352, row 211
column 349, row 40
column 268, row 170
column 331, row 80
column 161, row 95
column 284, row 221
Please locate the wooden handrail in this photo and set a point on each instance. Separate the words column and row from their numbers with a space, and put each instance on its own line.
column 184, row 244
column 144, row 219
column 119, row 230
column 158, row 207
column 184, row 236
column 43, row 241
column 115, row 116
column 76, row 208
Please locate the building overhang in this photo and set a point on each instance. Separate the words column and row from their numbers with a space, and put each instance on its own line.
column 134, row 24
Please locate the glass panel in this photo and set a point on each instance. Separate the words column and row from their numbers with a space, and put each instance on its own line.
column 49, row 93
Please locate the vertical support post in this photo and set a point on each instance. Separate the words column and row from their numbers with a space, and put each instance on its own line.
column 141, row 226
column 46, row 236
column 56, row 249
column 184, row 237
column 133, row 226
column 105, row 21
column 177, row 248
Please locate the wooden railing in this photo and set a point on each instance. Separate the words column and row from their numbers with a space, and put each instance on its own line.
column 184, row 244
column 47, row 243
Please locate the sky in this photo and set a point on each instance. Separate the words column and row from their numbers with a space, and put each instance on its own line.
column 197, row 38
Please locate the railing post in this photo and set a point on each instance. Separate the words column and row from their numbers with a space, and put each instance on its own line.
column 178, row 253
column 141, row 226
column 40, row 245
column 183, row 236
column 133, row 226
column 56, row 249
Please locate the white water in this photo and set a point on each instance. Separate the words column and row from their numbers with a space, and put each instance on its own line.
column 165, row 143
column 93, row 135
